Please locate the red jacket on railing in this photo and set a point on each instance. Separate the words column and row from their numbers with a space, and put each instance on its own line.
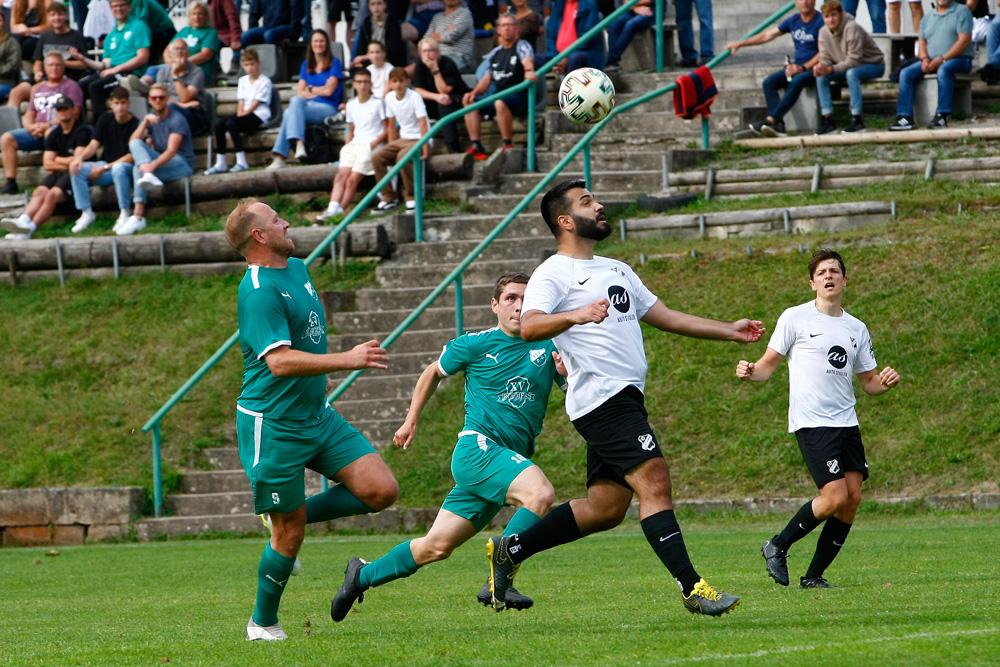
column 695, row 93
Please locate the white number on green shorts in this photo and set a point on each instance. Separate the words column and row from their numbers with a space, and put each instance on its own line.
column 275, row 499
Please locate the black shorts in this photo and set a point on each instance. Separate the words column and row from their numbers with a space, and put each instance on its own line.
column 59, row 179
column 618, row 437
column 338, row 8
column 829, row 451
column 518, row 105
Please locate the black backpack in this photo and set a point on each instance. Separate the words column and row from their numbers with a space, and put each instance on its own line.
column 318, row 148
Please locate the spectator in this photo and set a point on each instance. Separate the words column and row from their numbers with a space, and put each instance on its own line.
column 318, row 97
column 415, row 27
column 161, row 26
column 876, row 10
column 804, row 28
column 623, row 29
column 945, row 49
column 186, row 84
column 453, row 30
column 253, row 109
column 10, row 66
column 437, row 80
column 112, row 134
column 990, row 72
column 407, row 108
column 846, row 53
column 60, row 38
column 379, row 68
column 560, row 34
column 529, row 21
column 380, row 26
column 40, row 116
column 510, row 63
column 277, row 16
column 226, row 19
column 484, row 13
column 126, row 54
column 895, row 15
column 162, row 150
column 202, row 40
column 79, row 12
column 685, row 31
column 68, row 136
column 367, row 128
column 28, row 20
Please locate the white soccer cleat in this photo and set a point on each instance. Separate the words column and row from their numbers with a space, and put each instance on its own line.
column 86, row 219
column 271, row 633
column 297, row 568
column 149, row 181
column 131, row 226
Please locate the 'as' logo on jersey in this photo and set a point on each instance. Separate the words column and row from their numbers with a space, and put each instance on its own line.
column 618, row 296
column 537, row 357
column 517, row 392
column 837, row 356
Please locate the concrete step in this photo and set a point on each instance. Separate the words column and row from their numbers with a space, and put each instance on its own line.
column 479, row 271
column 477, row 316
column 410, row 297
column 475, row 226
column 223, row 458
column 225, row 481
column 357, row 410
column 499, row 203
column 375, row 385
column 609, row 160
column 420, row 254
column 618, row 142
column 204, row 504
column 177, row 526
column 412, row 340
column 600, row 181
column 633, row 122
column 379, row 431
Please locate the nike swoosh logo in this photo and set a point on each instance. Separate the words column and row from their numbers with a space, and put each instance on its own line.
column 664, row 539
column 814, row 335
column 802, row 527
column 583, row 281
column 838, row 544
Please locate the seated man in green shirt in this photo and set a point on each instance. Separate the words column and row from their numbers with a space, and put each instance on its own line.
column 507, row 385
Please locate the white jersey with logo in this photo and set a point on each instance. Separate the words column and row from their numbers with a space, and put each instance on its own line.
column 601, row 359
column 824, row 353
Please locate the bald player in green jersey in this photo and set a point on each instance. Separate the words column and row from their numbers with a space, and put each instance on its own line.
column 507, row 385
column 284, row 423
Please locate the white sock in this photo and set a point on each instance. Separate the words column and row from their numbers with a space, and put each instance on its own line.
column 125, row 212
column 241, row 159
column 220, row 163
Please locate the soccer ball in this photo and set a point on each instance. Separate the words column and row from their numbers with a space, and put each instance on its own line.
column 586, row 96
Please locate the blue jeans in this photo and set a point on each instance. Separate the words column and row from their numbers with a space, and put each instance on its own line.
column 120, row 174
column 854, row 77
column 263, row 35
column 685, row 29
column 174, row 170
column 777, row 104
column 27, row 141
column 621, row 31
column 876, row 9
column 910, row 76
column 993, row 42
column 293, row 122
column 5, row 91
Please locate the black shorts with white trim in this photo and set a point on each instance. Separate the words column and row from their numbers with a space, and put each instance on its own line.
column 829, row 451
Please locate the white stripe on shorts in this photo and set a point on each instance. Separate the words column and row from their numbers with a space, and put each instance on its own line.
column 258, row 424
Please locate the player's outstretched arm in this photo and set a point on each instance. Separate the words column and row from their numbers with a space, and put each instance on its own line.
column 536, row 325
column 426, row 385
column 674, row 321
column 762, row 370
column 875, row 383
column 286, row 362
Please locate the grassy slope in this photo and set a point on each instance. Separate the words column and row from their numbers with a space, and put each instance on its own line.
column 88, row 365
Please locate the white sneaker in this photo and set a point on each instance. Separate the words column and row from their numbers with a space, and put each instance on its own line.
column 131, row 226
column 217, row 169
column 22, row 224
column 87, row 218
column 271, row 633
column 277, row 163
column 297, row 568
column 300, row 151
column 411, row 204
column 16, row 237
column 331, row 210
column 122, row 219
column 239, row 167
column 149, row 181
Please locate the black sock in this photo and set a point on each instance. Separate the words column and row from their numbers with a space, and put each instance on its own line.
column 830, row 540
column 478, row 145
column 11, row 181
column 555, row 528
column 801, row 525
column 664, row 535
column 507, row 142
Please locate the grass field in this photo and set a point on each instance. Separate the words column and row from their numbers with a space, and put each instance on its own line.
column 911, row 591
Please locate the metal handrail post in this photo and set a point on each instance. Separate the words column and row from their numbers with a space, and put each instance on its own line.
column 659, row 34
column 704, row 133
column 586, row 165
column 157, row 473
column 418, row 197
column 532, row 95
column 459, row 305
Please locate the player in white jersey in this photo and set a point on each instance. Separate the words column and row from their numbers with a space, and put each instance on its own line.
column 591, row 306
column 825, row 347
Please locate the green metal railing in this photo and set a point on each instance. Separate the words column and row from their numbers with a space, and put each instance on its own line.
column 153, row 425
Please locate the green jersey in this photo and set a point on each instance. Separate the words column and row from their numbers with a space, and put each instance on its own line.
column 278, row 307
column 507, row 385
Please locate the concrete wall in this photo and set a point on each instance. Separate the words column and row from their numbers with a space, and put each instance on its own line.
column 40, row 517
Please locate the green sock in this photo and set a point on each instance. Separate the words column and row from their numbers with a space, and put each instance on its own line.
column 272, row 575
column 396, row 564
column 334, row 503
column 523, row 519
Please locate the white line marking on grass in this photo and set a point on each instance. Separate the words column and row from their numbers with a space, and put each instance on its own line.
column 763, row 653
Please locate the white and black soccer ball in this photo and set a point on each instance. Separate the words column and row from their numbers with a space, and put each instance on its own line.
column 586, row 96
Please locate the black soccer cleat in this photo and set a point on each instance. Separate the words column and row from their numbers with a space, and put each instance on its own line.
column 776, row 560
column 704, row 599
column 350, row 591
column 502, row 570
column 814, row 582
column 513, row 600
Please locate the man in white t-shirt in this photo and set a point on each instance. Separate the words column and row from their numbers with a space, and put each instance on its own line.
column 825, row 347
column 406, row 107
column 366, row 130
column 591, row 306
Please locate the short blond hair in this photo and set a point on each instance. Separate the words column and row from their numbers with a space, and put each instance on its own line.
column 241, row 223
column 196, row 5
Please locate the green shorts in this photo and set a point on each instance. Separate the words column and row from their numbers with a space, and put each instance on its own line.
column 276, row 452
column 483, row 471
